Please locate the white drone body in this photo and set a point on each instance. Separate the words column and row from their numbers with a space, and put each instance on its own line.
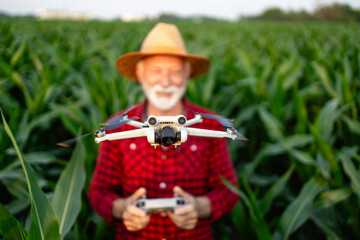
column 166, row 130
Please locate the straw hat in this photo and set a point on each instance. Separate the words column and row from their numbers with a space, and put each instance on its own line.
column 163, row 39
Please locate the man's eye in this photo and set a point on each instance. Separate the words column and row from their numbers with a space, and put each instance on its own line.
column 156, row 71
column 177, row 72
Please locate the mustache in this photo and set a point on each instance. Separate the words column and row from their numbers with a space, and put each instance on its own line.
column 159, row 88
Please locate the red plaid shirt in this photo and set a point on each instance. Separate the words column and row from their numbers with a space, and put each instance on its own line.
column 123, row 166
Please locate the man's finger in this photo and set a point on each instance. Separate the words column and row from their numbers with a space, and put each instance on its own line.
column 172, row 215
column 138, row 221
column 190, row 225
column 184, row 222
column 135, row 211
column 179, row 191
column 184, row 210
column 138, row 194
column 130, row 225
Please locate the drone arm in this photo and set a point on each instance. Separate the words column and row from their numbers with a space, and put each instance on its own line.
column 196, row 119
column 135, row 124
column 209, row 133
column 123, row 135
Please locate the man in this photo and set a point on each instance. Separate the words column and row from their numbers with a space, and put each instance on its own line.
column 129, row 169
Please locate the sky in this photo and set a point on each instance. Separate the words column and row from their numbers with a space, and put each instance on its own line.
column 108, row 9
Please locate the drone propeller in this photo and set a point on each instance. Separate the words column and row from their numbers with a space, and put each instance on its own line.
column 226, row 122
column 69, row 142
column 118, row 124
column 114, row 122
column 121, row 116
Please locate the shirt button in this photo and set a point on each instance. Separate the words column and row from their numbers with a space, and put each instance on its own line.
column 132, row 146
column 163, row 214
column 193, row 148
column 162, row 185
column 163, row 157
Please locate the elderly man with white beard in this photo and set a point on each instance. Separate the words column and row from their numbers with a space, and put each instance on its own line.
column 128, row 169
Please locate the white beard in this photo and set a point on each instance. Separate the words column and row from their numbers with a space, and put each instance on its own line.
column 163, row 103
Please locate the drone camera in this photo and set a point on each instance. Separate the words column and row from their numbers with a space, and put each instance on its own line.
column 181, row 120
column 167, row 136
column 153, row 121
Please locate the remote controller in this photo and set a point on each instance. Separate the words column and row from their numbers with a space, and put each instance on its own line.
column 160, row 204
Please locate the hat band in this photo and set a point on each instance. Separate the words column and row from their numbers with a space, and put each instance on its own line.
column 165, row 50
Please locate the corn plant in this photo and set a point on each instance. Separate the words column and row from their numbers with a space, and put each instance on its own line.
column 49, row 220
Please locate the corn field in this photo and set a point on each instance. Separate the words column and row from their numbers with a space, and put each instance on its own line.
column 293, row 89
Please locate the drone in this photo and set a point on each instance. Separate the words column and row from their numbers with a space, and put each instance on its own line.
column 162, row 130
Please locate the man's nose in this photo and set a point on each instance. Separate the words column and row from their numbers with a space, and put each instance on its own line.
column 165, row 80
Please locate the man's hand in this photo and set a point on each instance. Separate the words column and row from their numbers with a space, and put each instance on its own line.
column 187, row 216
column 134, row 218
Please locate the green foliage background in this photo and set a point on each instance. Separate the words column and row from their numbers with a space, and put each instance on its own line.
column 292, row 89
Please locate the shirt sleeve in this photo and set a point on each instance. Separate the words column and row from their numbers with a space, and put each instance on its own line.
column 222, row 199
column 105, row 185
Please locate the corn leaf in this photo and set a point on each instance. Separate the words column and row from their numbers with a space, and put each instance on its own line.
column 353, row 125
column 246, row 62
column 273, row 125
column 17, row 55
column 10, row 228
column 44, row 224
column 67, row 195
column 300, row 111
column 302, row 157
column 328, row 230
column 351, row 172
column 277, row 101
column 259, row 223
column 325, row 79
column 325, row 149
column 208, row 90
column 275, row 190
column 39, row 122
column 298, row 140
column 326, row 119
column 18, row 80
column 299, row 210
column 330, row 198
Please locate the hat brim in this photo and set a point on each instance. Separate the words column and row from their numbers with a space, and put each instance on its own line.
column 126, row 63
